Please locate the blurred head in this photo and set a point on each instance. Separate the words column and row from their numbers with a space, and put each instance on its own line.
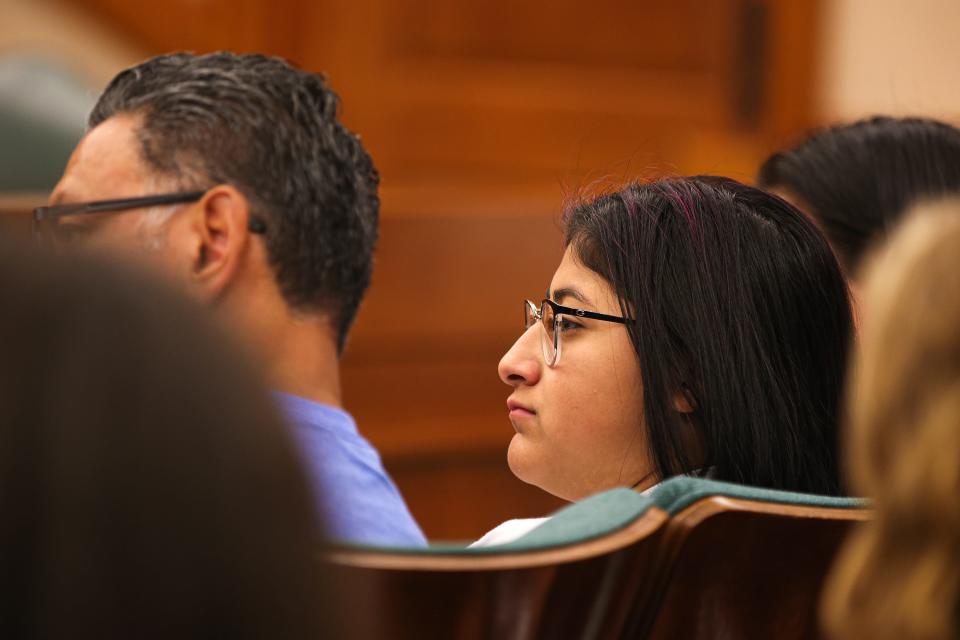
column 899, row 576
column 147, row 487
column 732, row 358
column 856, row 180
column 288, row 203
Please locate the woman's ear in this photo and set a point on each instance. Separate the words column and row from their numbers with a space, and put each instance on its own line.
column 692, row 435
column 683, row 401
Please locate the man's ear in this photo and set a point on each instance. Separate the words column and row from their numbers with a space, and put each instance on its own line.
column 221, row 227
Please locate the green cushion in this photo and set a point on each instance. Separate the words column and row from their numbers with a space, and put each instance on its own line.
column 593, row 517
column 680, row 492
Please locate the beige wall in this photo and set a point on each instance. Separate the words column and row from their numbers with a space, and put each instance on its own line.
column 61, row 32
column 890, row 56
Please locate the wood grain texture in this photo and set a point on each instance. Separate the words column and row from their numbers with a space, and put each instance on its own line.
column 569, row 592
column 483, row 116
column 741, row 569
column 721, row 568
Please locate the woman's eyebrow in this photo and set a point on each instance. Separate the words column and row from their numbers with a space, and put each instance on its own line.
column 568, row 292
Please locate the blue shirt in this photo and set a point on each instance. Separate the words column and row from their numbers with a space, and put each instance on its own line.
column 357, row 499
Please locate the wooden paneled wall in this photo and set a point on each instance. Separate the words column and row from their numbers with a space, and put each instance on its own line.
column 483, row 115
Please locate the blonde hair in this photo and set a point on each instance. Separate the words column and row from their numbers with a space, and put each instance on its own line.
column 899, row 576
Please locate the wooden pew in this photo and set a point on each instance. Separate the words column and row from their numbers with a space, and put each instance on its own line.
column 739, row 562
column 700, row 559
column 554, row 583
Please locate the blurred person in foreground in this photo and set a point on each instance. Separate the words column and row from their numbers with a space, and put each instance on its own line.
column 232, row 175
column 899, row 575
column 856, row 180
column 148, row 487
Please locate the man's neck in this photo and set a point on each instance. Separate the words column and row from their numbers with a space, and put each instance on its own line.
column 303, row 361
column 298, row 351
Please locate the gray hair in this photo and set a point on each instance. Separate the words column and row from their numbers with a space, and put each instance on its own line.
column 270, row 130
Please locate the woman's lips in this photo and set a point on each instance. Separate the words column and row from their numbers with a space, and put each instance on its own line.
column 518, row 410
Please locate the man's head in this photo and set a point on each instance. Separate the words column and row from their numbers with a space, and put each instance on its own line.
column 261, row 140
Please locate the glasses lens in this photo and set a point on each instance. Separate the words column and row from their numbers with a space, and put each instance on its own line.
column 58, row 234
column 44, row 233
column 551, row 337
column 530, row 312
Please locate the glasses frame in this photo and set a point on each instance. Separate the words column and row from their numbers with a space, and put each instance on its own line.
column 44, row 215
column 546, row 342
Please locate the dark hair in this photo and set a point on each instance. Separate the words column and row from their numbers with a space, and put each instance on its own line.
column 857, row 179
column 148, row 489
column 738, row 303
column 270, row 130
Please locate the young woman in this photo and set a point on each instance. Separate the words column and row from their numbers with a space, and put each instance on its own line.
column 694, row 325
column 899, row 575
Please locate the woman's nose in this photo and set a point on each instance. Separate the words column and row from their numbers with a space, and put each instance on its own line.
column 522, row 364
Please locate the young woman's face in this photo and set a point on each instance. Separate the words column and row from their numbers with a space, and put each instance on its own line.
column 579, row 423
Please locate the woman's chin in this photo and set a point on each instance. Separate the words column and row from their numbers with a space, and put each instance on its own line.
column 528, row 467
column 522, row 461
column 515, row 458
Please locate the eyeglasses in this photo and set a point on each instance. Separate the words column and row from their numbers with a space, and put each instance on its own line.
column 48, row 231
column 550, row 316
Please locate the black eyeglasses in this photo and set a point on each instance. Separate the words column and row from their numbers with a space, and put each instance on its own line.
column 48, row 231
column 550, row 316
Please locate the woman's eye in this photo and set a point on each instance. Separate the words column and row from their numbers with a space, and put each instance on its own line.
column 568, row 325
